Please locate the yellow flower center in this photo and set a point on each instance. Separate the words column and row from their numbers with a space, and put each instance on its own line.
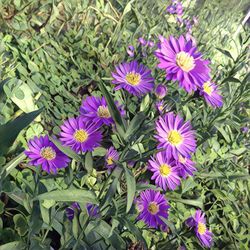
column 110, row 160
column 201, row 228
column 133, row 78
column 48, row 153
column 153, row 208
column 165, row 170
column 103, row 112
column 182, row 159
column 207, row 88
column 174, row 137
column 185, row 61
column 81, row 135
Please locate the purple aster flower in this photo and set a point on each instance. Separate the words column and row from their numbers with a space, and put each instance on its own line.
column 93, row 210
column 245, row 130
column 142, row 41
column 80, row 136
column 70, row 211
column 185, row 166
column 95, row 109
column 179, row 9
column 131, row 51
column 165, row 172
column 152, row 205
column 210, row 92
column 161, row 91
column 175, row 136
column 198, row 222
column 133, row 77
column 171, row 9
column 111, row 156
column 182, row 63
column 44, row 152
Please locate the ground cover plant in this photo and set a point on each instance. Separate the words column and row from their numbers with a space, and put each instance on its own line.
column 124, row 124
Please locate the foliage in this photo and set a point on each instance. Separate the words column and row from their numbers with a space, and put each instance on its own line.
column 52, row 54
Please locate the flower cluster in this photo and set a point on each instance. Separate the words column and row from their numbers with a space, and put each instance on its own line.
column 176, row 142
column 175, row 8
column 183, row 63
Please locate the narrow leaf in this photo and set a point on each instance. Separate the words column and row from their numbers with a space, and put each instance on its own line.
column 131, row 187
column 73, row 195
column 10, row 130
column 135, row 124
column 66, row 150
column 113, row 110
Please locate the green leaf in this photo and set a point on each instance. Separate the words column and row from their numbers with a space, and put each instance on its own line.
column 1, row 207
column 66, row 150
column 226, row 53
column 188, row 184
column 21, row 225
column 135, row 124
column 73, row 195
column 112, row 188
column 223, row 133
column 88, row 162
column 104, row 230
column 15, row 245
column 195, row 203
column 12, row 164
column 170, row 225
column 113, row 110
column 10, row 130
column 24, row 99
column 133, row 229
column 131, row 187
column 75, row 227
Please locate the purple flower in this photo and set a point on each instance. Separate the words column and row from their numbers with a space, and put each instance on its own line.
column 190, row 37
column 161, row 91
column 185, row 166
column 245, row 129
column 95, row 109
column 175, row 136
column 151, row 44
column 93, row 210
column 152, row 205
column 142, row 41
column 182, row 63
column 111, row 156
column 171, row 9
column 131, row 51
column 70, row 211
column 42, row 151
column 165, row 172
column 175, row 8
column 133, row 77
column 160, row 106
column 79, row 135
column 179, row 9
column 188, row 24
column 198, row 222
column 210, row 92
